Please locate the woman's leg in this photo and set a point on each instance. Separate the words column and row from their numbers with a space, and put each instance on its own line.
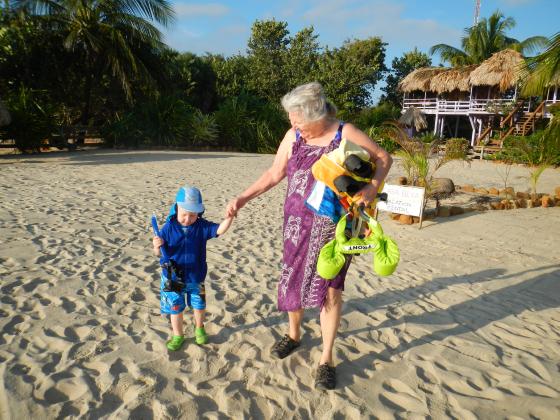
column 330, row 321
column 294, row 320
column 177, row 323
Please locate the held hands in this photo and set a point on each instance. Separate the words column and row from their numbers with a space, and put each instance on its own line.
column 234, row 206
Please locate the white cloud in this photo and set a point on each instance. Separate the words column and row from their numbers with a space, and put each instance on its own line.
column 225, row 40
column 200, row 9
column 359, row 19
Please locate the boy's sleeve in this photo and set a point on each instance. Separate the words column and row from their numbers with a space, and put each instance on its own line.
column 210, row 229
column 164, row 232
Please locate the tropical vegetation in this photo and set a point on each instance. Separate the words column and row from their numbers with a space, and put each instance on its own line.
column 69, row 67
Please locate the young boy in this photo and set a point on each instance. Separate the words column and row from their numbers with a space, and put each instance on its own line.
column 184, row 238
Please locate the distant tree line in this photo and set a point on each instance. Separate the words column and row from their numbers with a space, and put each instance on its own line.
column 102, row 66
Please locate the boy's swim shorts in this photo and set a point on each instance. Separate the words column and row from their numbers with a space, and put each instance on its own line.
column 174, row 303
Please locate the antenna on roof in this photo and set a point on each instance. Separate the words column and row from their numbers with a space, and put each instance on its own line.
column 476, row 12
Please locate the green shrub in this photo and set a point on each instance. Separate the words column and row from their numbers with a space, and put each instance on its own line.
column 456, row 148
column 162, row 121
column 538, row 148
column 251, row 124
column 382, row 138
column 32, row 120
column 203, row 129
column 375, row 116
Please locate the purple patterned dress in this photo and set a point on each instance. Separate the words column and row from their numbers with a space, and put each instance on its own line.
column 305, row 233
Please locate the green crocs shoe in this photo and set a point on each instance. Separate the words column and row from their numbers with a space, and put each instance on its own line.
column 200, row 336
column 175, row 343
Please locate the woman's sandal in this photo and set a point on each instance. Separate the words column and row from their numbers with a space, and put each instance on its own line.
column 326, row 377
column 284, row 347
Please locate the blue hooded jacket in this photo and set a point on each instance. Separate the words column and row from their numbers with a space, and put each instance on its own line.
column 186, row 245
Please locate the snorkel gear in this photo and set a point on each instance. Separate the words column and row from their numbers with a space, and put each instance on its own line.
column 386, row 253
column 172, row 272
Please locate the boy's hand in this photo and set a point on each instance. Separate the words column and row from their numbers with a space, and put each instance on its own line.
column 158, row 242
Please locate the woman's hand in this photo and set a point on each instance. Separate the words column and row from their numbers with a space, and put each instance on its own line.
column 234, row 206
column 367, row 195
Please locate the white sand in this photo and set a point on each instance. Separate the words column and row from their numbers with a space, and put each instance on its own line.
column 468, row 327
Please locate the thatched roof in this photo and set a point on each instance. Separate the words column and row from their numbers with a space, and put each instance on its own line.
column 503, row 69
column 419, row 79
column 414, row 117
column 452, row 79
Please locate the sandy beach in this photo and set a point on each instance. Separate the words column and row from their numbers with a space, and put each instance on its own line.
column 468, row 327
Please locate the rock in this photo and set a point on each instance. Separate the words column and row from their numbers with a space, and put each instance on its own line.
column 493, row 191
column 522, row 195
column 467, row 188
column 442, row 186
column 521, row 203
column 405, row 219
column 402, row 180
column 444, row 211
column 481, row 191
column 535, row 202
column 395, row 216
column 547, row 201
column 496, row 205
column 415, row 219
column 557, row 193
column 507, row 193
column 506, row 205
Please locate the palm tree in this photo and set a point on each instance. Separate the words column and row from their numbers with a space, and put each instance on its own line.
column 544, row 69
column 113, row 37
column 484, row 39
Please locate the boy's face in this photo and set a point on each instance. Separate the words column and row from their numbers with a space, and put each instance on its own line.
column 186, row 218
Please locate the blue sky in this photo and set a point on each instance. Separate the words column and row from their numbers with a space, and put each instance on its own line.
column 223, row 27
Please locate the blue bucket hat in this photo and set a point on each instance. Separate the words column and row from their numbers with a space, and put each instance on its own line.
column 190, row 199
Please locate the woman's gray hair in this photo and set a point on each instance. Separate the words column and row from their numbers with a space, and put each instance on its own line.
column 310, row 101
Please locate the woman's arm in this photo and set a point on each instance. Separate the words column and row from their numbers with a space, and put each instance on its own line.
column 270, row 178
column 379, row 156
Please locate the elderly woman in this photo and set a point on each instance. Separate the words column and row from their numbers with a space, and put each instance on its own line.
column 315, row 131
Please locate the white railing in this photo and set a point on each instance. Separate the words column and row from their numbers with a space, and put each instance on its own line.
column 427, row 103
column 453, row 106
column 490, row 106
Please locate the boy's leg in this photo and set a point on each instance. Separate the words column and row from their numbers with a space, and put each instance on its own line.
column 177, row 323
column 173, row 304
column 196, row 299
column 199, row 317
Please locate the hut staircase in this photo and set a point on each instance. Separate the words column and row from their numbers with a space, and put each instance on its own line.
column 526, row 124
column 485, row 143
column 508, row 124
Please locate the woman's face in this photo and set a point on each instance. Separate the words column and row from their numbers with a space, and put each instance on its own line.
column 307, row 129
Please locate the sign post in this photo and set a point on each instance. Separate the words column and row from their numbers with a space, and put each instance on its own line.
column 403, row 199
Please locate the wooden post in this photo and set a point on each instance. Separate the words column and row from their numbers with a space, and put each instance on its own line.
column 422, row 213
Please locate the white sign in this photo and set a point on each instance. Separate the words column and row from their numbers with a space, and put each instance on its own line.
column 403, row 200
